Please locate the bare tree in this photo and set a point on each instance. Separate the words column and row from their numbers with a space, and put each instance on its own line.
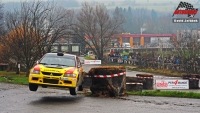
column 1, row 19
column 2, row 31
column 94, row 25
column 33, row 29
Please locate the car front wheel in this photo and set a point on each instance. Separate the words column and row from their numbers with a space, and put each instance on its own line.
column 33, row 87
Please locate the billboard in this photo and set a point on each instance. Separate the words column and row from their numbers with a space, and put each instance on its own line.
column 92, row 61
column 172, row 84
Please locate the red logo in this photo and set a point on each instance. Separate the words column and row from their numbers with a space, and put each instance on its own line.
column 176, row 82
column 162, row 84
column 185, row 8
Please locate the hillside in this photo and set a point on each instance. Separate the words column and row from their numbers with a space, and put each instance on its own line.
column 158, row 5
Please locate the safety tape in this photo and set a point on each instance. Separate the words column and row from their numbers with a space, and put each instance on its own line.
column 119, row 74
column 164, row 77
column 194, row 78
column 134, row 83
column 107, row 76
column 144, row 77
column 157, row 77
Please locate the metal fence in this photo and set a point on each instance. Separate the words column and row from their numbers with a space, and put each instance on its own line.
column 142, row 62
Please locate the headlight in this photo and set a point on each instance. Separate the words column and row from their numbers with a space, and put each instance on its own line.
column 69, row 75
column 36, row 72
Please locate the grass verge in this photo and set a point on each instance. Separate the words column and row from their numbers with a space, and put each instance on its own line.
column 11, row 77
column 88, row 58
column 179, row 94
column 156, row 71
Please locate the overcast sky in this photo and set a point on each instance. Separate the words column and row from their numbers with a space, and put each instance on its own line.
column 42, row 0
column 192, row 1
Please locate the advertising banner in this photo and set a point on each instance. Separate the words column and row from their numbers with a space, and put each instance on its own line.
column 92, row 61
column 172, row 84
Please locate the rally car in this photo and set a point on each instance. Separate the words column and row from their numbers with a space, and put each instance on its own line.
column 57, row 70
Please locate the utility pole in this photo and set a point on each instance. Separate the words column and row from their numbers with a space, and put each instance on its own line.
column 142, row 29
column 161, row 52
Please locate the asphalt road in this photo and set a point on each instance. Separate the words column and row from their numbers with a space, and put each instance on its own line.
column 18, row 99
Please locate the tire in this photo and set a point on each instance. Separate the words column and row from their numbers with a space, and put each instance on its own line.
column 72, row 91
column 33, row 87
column 80, row 88
column 44, row 86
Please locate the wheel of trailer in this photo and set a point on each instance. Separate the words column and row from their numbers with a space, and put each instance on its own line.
column 33, row 87
column 73, row 91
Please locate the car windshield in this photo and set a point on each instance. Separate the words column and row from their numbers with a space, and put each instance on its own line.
column 58, row 60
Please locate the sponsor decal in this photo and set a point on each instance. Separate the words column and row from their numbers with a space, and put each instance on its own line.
column 51, row 70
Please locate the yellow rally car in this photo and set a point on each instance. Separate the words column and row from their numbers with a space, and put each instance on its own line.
column 57, row 70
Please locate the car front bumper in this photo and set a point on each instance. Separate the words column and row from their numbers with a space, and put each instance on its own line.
column 56, row 81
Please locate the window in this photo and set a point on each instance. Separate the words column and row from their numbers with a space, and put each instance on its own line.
column 54, row 48
column 60, row 60
column 75, row 48
column 64, row 48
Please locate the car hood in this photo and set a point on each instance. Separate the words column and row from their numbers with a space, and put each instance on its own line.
column 55, row 69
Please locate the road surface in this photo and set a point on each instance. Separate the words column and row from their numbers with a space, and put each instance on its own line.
column 18, row 99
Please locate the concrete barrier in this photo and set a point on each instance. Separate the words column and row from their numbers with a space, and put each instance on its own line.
column 193, row 80
column 148, row 83
column 87, row 82
column 108, row 81
column 134, row 84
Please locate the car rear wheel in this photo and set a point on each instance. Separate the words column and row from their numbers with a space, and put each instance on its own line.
column 33, row 87
column 80, row 88
column 72, row 91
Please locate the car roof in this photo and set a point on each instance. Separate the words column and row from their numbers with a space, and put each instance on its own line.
column 55, row 54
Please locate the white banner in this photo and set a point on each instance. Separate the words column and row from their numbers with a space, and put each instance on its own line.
column 172, row 84
column 92, row 61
